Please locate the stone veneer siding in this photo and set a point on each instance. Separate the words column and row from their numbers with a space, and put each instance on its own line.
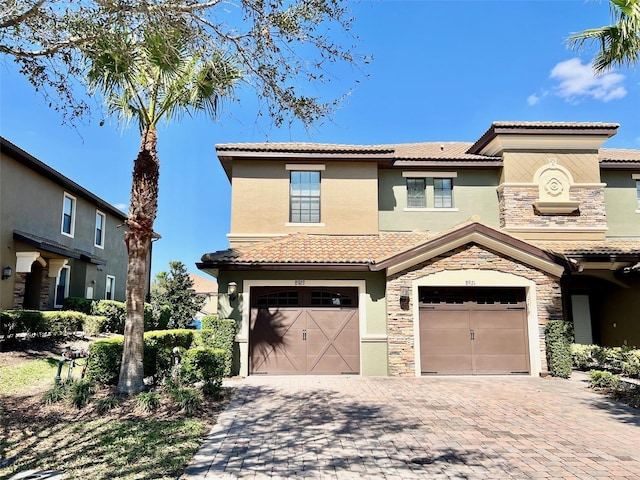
column 517, row 210
column 400, row 328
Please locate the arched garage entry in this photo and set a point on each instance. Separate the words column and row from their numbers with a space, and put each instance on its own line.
column 470, row 315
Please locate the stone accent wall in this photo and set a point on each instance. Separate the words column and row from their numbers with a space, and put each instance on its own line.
column 44, row 289
column 19, row 288
column 516, row 209
column 400, row 328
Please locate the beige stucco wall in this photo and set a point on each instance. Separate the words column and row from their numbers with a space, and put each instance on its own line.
column 621, row 200
column 474, row 194
column 522, row 166
column 260, row 198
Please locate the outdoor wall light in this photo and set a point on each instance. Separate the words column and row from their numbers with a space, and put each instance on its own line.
column 232, row 290
column 404, row 297
column 6, row 272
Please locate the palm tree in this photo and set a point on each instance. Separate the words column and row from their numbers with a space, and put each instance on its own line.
column 151, row 77
column 619, row 43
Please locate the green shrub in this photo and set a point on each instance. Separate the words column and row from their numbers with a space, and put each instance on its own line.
column 94, row 324
column 187, row 399
column 105, row 357
column 55, row 394
column 203, row 365
column 631, row 364
column 8, row 325
column 78, row 304
column 217, row 333
column 107, row 404
column 60, row 323
column 559, row 336
column 79, row 393
column 116, row 313
column 582, row 356
column 208, row 322
column 147, row 401
column 603, row 379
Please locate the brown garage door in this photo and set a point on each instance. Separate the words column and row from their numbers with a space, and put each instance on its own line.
column 304, row 331
column 473, row 331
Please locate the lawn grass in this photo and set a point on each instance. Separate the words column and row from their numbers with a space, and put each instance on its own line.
column 107, row 449
column 89, row 442
column 15, row 378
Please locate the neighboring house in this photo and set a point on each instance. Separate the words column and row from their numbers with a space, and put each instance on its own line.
column 430, row 258
column 209, row 291
column 57, row 239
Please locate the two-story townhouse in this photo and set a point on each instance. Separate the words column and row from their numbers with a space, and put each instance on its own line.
column 57, row 239
column 430, row 258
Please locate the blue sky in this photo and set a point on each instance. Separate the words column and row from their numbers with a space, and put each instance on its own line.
column 442, row 71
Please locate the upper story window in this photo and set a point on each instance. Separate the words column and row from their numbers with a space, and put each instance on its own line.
column 110, row 290
column 638, row 192
column 430, row 190
column 101, row 219
column 304, row 196
column 416, row 193
column 62, row 285
column 68, row 214
column 442, row 192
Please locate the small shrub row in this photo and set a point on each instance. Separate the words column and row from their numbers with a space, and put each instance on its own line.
column 559, row 337
column 619, row 360
column 197, row 364
column 56, row 323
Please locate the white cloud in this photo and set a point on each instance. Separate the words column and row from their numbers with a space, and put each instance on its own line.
column 533, row 99
column 577, row 81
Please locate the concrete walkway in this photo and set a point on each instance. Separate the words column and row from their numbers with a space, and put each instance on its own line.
column 415, row 428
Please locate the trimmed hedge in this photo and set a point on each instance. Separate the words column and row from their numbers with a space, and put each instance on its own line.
column 203, row 365
column 198, row 363
column 559, row 337
column 78, row 304
column 218, row 334
column 34, row 322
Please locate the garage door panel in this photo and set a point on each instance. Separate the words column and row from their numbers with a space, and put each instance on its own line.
column 446, row 364
column 497, row 319
column 501, row 364
column 446, row 342
column 485, row 333
column 303, row 339
column 451, row 319
column 506, row 342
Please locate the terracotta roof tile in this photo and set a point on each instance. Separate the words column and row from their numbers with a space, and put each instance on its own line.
column 334, row 249
column 302, row 147
column 545, row 124
column 619, row 155
column 610, row 246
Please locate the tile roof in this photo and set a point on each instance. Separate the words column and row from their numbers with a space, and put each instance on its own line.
column 303, row 248
column 610, row 246
column 547, row 124
column 302, row 147
column 618, row 155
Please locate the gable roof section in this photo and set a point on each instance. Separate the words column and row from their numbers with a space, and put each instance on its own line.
column 390, row 251
column 45, row 170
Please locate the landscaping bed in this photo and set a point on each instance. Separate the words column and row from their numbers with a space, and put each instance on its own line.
column 124, row 442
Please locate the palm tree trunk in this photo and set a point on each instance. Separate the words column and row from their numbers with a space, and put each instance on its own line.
column 142, row 214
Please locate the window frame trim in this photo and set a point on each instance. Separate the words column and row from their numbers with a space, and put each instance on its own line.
column 72, row 223
column 113, row 287
column 102, row 232
column 291, row 221
column 66, row 268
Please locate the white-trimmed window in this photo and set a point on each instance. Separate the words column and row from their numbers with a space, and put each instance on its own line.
column 430, row 190
column 62, row 285
column 443, row 193
column 304, row 196
column 68, row 214
column 101, row 221
column 110, row 289
column 416, row 193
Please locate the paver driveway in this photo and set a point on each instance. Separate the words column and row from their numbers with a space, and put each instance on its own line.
column 404, row 428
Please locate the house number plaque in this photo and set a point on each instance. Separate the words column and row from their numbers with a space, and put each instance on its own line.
column 299, row 282
column 470, row 283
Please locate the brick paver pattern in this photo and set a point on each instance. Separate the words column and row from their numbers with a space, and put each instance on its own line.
column 415, row 428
